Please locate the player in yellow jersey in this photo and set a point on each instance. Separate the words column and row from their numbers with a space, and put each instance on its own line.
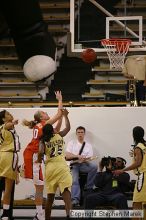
column 9, row 146
column 57, row 172
column 139, row 167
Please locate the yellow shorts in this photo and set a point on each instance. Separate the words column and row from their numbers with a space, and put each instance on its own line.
column 8, row 165
column 139, row 194
column 57, row 175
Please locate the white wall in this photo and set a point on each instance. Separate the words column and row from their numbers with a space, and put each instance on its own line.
column 108, row 129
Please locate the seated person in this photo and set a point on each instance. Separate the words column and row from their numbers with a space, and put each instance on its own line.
column 81, row 150
column 111, row 188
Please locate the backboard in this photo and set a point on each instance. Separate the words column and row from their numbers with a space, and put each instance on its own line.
column 91, row 21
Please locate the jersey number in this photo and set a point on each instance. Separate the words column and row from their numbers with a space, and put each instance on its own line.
column 56, row 151
column 35, row 133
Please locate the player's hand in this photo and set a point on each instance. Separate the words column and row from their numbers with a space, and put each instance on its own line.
column 65, row 112
column 58, row 95
column 15, row 122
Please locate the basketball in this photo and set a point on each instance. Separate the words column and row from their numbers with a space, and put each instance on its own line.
column 88, row 55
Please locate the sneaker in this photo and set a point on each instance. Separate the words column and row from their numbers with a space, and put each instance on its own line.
column 5, row 218
column 39, row 216
column 35, row 217
column 5, row 215
column 75, row 203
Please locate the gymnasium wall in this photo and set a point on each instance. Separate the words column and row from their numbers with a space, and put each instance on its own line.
column 108, row 129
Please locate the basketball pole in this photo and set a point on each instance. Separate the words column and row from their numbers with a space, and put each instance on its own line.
column 118, row 22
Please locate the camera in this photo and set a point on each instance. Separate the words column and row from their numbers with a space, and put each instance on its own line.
column 106, row 161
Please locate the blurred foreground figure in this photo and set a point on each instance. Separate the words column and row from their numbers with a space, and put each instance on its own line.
column 35, row 47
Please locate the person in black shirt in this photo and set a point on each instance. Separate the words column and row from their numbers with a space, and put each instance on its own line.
column 110, row 188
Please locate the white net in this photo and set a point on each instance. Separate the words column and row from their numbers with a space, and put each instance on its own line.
column 116, row 50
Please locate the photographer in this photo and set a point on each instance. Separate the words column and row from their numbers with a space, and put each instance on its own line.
column 110, row 188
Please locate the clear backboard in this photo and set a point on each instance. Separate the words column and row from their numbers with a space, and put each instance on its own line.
column 91, row 21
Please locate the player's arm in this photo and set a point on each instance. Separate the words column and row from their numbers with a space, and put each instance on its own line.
column 59, row 112
column 58, row 125
column 137, row 162
column 41, row 151
column 67, row 124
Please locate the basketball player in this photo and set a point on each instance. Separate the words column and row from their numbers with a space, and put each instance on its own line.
column 139, row 167
column 31, row 169
column 57, row 172
column 9, row 147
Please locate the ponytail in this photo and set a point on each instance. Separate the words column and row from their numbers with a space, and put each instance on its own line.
column 31, row 124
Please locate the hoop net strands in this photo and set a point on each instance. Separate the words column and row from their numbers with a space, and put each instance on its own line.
column 116, row 51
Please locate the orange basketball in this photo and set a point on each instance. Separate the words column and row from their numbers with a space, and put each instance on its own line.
column 88, row 55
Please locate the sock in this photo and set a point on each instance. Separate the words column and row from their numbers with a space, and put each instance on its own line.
column 6, row 206
column 39, row 209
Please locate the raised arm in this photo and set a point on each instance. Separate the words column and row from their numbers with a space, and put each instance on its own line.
column 59, row 98
column 67, row 124
column 59, row 112
column 58, row 125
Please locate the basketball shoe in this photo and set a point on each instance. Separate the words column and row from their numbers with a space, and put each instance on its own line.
column 5, row 215
column 39, row 216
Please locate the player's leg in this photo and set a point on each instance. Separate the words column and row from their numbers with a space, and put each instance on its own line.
column 48, row 207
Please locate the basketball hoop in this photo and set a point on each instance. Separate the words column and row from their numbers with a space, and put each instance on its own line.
column 116, row 50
